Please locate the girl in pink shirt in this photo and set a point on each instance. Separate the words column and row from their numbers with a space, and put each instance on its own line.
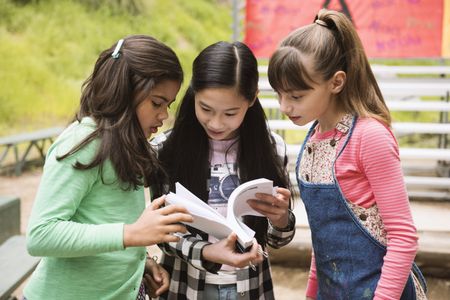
column 348, row 170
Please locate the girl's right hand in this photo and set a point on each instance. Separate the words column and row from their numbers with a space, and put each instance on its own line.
column 224, row 252
column 156, row 225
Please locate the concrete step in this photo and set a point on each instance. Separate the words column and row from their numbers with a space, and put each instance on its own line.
column 15, row 265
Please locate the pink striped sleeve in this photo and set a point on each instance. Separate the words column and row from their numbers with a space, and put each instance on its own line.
column 377, row 177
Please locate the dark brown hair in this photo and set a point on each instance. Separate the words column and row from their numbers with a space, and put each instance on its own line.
column 334, row 45
column 110, row 96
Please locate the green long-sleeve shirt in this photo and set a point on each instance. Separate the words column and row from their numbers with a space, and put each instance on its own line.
column 76, row 225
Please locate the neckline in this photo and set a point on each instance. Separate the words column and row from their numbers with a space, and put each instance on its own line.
column 341, row 127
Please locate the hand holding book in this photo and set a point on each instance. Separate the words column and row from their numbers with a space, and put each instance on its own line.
column 224, row 252
column 274, row 207
column 210, row 221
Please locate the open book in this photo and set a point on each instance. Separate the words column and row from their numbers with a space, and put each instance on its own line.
column 207, row 219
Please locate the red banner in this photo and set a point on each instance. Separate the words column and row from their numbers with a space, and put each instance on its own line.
column 387, row 28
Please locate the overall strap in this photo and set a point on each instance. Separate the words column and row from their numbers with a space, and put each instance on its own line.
column 347, row 139
column 299, row 157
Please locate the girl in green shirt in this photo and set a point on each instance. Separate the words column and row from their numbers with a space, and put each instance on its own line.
column 89, row 222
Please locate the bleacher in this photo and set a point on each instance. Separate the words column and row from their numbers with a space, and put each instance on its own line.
column 405, row 89
column 16, row 264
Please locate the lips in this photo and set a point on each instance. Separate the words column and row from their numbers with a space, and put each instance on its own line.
column 212, row 132
column 294, row 118
column 155, row 129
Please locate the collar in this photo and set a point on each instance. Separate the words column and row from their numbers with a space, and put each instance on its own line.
column 343, row 126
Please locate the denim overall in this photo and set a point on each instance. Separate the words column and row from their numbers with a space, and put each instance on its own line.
column 348, row 258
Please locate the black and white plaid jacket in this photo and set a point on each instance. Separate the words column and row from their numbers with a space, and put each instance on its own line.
column 187, row 269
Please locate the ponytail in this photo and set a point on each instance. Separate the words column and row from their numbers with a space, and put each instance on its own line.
column 334, row 45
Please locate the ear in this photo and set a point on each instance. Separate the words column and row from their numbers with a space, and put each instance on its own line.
column 337, row 82
column 254, row 99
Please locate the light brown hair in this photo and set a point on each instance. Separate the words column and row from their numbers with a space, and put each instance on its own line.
column 334, row 45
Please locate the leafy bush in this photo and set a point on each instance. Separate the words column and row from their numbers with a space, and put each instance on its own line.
column 48, row 48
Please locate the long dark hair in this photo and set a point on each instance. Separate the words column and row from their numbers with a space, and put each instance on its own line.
column 110, row 96
column 334, row 45
column 185, row 154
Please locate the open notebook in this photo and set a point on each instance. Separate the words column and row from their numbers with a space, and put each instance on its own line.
column 207, row 219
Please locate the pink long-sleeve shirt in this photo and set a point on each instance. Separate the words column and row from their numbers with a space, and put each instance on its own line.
column 369, row 172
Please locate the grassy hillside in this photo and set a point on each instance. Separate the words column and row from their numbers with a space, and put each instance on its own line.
column 47, row 48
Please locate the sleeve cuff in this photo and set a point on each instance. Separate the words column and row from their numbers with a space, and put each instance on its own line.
column 290, row 226
column 114, row 233
column 311, row 289
column 199, row 262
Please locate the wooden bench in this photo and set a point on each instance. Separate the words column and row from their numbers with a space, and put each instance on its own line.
column 36, row 139
column 427, row 91
column 15, row 262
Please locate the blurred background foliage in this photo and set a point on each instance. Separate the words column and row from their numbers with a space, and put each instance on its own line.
column 49, row 47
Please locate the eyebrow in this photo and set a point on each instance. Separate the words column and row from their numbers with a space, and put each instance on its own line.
column 207, row 106
column 163, row 98
column 297, row 91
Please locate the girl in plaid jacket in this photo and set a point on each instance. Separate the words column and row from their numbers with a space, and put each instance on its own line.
column 219, row 140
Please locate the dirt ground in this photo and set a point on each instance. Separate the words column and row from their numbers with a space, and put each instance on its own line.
column 290, row 283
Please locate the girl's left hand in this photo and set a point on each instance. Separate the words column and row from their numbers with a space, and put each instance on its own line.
column 156, row 278
column 224, row 252
column 275, row 208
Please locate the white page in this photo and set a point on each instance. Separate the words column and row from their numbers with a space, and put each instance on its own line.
column 217, row 228
column 238, row 205
column 244, row 233
column 184, row 193
column 194, row 208
column 204, row 220
column 207, row 219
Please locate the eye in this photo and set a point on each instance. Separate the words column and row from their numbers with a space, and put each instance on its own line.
column 230, row 115
column 296, row 97
column 205, row 109
column 156, row 104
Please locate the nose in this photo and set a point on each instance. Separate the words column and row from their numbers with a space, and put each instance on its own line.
column 163, row 115
column 215, row 123
column 285, row 107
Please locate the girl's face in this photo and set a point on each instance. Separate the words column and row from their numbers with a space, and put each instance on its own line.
column 152, row 111
column 304, row 106
column 220, row 111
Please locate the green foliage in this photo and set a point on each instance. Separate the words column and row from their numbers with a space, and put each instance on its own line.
column 48, row 48
column 130, row 6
